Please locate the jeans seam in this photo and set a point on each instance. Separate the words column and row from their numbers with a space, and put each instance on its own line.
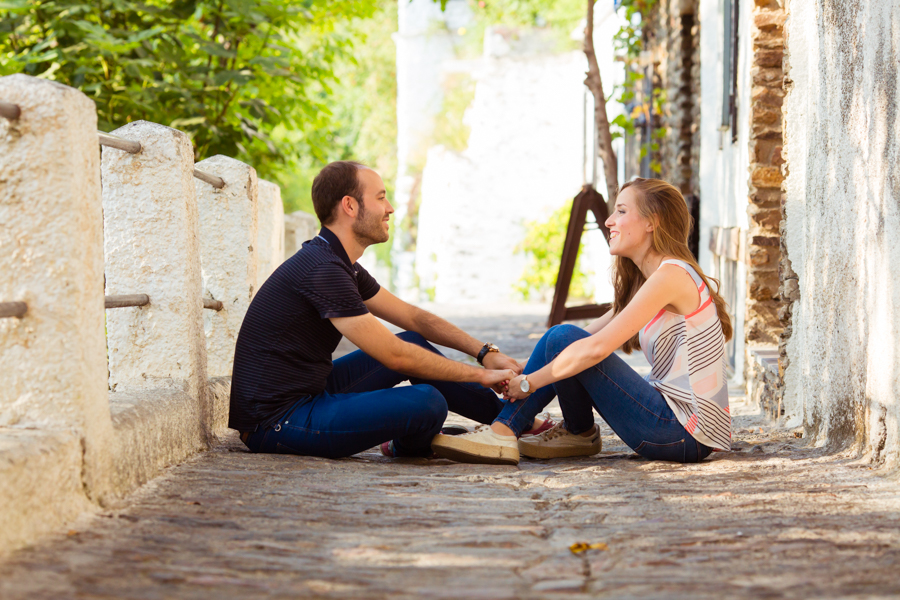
column 633, row 399
column 355, row 382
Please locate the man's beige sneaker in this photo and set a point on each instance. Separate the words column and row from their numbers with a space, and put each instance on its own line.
column 482, row 446
column 559, row 443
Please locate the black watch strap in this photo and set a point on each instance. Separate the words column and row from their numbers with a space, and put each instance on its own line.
column 484, row 350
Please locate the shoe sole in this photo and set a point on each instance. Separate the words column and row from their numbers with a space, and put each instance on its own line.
column 558, row 452
column 466, row 452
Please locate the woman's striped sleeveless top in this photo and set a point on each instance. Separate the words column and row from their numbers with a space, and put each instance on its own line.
column 687, row 358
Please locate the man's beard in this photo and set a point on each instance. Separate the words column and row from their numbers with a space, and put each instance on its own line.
column 367, row 228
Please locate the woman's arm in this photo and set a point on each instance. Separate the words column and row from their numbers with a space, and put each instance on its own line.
column 666, row 286
column 600, row 323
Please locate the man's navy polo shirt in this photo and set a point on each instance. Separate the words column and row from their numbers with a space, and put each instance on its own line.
column 283, row 351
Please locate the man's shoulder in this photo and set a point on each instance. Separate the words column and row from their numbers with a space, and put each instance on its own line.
column 313, row 256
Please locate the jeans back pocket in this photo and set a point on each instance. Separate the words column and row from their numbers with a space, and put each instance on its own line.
column 673, row 451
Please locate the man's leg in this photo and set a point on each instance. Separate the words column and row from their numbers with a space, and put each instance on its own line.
column 338, row 425
column 359, row 372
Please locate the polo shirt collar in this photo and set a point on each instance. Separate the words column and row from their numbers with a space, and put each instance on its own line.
column 336, row 245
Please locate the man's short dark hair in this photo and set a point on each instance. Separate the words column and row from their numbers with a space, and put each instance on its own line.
column 336, row 180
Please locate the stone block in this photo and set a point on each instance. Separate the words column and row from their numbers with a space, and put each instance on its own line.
column 51, row 257
column 40, row 484
column 772, row 96
column 766, row 218
column 769, row 57
column 761, row 256
column 228, row 234
column 151, row 232
column 767, row 76
column 766, row 177
column 298, row 227
column 270, row 235
column 769, row 19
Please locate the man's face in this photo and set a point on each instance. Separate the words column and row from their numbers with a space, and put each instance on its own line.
column 372, row 222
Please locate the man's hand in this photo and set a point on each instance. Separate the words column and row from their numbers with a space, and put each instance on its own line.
column 497, row 360
column 514, row 390
column 496, row 379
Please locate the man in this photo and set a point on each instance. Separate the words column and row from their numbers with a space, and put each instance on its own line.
column 288, row 397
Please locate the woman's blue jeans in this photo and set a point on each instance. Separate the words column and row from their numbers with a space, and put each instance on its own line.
column 360, row 408
column 633, row 408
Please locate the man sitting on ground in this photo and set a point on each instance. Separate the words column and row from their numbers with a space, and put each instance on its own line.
column 288, row 397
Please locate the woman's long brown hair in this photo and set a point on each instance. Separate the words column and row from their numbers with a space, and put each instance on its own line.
column 664, row 206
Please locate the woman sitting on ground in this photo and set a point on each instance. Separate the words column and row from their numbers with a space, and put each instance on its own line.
column 664, row 305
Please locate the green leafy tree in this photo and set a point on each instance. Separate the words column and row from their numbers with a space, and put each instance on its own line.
column 227, row 72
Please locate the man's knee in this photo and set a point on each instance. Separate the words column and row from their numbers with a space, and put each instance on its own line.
column 430, row 401
column 413, row 338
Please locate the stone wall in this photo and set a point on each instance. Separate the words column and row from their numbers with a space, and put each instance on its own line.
column 842, row 212
column 674, row 42
column 762, row 326
column 78, row 430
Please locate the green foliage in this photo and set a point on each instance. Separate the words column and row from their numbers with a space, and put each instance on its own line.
column 228, row 72
column 543, row 245
column 363, row 107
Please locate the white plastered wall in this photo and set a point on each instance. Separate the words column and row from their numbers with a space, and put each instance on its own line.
column 842, row 143
column 724, row 164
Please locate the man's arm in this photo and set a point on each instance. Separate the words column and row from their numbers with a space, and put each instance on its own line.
column 387, row 306
column 374, row 339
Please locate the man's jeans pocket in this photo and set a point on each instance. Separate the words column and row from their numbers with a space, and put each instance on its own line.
column 673, row 451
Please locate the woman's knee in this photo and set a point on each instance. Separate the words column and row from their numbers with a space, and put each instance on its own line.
column 560, row 336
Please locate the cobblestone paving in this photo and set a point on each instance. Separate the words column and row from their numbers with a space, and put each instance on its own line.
column 774, row 519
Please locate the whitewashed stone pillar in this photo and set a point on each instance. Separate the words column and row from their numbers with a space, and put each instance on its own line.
column 270, row 236
column 298, row 227
column 152, row 243
column 228, row 230
column 53, row 361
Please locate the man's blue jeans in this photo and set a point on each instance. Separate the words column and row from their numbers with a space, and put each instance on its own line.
column 633, row 408
column 360, row 408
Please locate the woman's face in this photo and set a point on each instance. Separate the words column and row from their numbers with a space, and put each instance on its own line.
column 630, row 233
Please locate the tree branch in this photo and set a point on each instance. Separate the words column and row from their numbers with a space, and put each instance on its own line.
column 601, row 120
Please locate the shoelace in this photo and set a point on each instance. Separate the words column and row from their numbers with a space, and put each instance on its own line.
column 558, row 430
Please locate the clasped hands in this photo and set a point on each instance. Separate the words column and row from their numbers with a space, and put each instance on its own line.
column 508, row 386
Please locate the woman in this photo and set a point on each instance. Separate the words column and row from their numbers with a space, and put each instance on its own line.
column 663, row 305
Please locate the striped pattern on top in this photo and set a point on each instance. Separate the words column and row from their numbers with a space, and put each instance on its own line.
column 687, row 358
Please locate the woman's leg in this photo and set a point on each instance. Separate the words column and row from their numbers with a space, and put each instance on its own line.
column 633, row 408
column 519, row 415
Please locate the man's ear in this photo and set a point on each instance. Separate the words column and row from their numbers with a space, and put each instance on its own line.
column 349, row 206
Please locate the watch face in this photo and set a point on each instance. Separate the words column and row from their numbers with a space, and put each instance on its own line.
column 525, row 386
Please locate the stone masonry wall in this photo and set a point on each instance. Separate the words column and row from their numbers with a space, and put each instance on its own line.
column 762, row 324
column 674, row 42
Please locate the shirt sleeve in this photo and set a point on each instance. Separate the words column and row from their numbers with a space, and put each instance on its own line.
column 368, row 287
column 333, row 292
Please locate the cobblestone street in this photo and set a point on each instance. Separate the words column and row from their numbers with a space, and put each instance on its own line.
column 773, row 519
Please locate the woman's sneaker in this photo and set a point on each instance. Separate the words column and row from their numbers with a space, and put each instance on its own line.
column 482, row 446
column 547, row 423
column 559, row 443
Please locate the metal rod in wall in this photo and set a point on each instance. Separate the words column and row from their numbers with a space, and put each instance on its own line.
column 130, row 146
column 213, row 304
column 127, row 300
column 9, row 110
column 13, row 309
column 213, row 180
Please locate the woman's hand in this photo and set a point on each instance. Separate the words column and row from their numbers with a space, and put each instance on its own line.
column 497, row 380
column 514, row 390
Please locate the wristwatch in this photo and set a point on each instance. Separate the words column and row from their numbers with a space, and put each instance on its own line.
column 524, row 385
column 488, row 347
